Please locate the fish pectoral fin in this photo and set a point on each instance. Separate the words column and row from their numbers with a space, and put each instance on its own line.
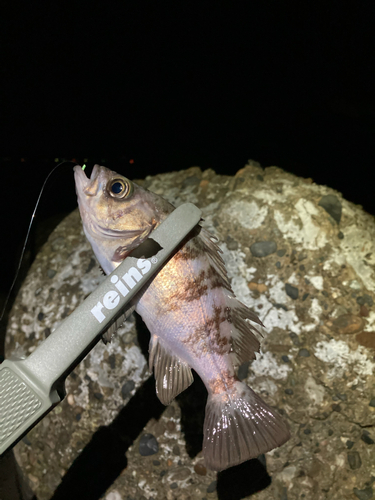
column 109, row 333
column 120, row 254
column 172, row 375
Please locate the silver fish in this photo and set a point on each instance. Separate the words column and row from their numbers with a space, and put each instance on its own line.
column 192, row 314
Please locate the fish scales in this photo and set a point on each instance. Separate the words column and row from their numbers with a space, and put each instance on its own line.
column 189, row 315
column 192, row 314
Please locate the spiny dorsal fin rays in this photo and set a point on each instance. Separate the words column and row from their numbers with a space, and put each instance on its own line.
column 244, row 342
column 172, row 375
column 213, row 252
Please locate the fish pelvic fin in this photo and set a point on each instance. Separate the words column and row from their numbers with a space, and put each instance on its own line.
column 238, row 427
column 172, row 375
column 112, row 329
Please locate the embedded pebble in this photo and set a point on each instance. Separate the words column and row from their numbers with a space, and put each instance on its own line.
column 148, row 445
column 364, row 311
column 200, row 469
column 343, row 397
column 348, row 324
column 291, row 291
column 58, row 243
column 354, row 460
column 332, row 206
column 366, row 494
column 127, row 388
column 304, row 353
column 365, row 299
column 263, row 248
column 366, row 438
column 171, row 426
column 367, row 339
column 176, row 450
column 191, row 181
column 211, row 487
column 51, row 273
column 259, row 287
column 112, row 361
column 26, row 440
column 231, row 243
column 70, row 399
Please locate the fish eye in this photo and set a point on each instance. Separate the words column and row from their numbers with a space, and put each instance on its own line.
column 119, row 188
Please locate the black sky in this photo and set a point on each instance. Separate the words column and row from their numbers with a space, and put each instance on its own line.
column 175, row 84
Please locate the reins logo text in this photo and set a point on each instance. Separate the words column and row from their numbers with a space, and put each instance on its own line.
column 123, row 285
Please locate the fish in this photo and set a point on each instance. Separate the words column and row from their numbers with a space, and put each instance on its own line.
column 194, row 318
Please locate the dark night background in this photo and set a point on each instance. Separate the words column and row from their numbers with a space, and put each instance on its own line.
column 172, row 85
column 150, row 87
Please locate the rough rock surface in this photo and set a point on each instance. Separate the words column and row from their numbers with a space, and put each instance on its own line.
column 304, row 259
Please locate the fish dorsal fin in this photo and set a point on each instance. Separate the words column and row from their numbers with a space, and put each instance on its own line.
column 172, row 375
column 213, row 252
column 244, row 341
column 243, row 334
column 108, row 334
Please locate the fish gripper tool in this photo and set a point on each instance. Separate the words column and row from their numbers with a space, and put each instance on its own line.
column 31, row 387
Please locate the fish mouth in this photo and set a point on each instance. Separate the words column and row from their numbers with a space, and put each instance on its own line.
column 117, row 233
column 82, row 185
column 81, row 179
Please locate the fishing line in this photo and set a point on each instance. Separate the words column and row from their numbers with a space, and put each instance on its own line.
column 29, row 229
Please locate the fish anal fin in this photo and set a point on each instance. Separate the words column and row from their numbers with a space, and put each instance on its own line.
column 240, row 427
column 172, row 375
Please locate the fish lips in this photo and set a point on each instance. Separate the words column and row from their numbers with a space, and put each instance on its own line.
column 83, row 183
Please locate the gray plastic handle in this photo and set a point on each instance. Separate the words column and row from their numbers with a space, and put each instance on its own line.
column 31, row 387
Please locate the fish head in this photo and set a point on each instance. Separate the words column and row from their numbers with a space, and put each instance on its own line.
column 117, row 214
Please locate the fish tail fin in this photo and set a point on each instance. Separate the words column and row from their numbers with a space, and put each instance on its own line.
column 238, row 427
